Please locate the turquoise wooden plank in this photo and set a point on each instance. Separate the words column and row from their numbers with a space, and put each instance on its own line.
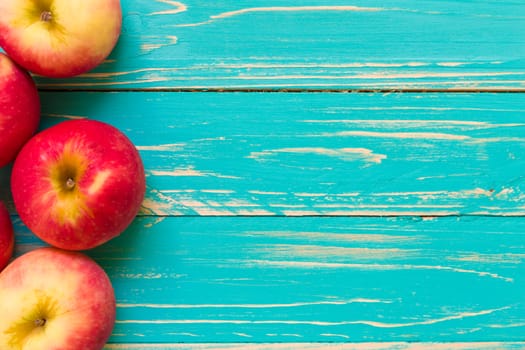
column 223, row 279
column 324, row 346
column 365, row 44
column 318, row 154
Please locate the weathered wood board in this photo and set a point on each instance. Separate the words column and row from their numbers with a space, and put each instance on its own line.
column 220, row 279
column 324, row 44
column 297, row 154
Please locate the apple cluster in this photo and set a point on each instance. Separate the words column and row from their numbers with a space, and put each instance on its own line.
column 75, row 185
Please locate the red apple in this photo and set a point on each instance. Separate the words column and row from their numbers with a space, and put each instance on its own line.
column 59, row 38
column 78, row 184
column 7, row 237
column 54, row 299
column 19, row 108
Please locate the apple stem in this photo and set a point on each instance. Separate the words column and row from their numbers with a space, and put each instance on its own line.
column 46, row 16
column 40, row 322
column 70, row 183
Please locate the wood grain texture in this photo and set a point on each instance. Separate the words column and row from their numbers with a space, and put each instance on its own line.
column 315, row 279
column 240, row 154
column 364, row 44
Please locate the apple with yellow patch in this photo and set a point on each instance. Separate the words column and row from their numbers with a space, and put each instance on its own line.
column 78, row 184
column 19, row 108
column 7, row 237
column 55, row 299
column 59, row 38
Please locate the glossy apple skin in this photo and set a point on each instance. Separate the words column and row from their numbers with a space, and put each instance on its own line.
column 109, row 184
column 68, row 290
column 72, row 38
column 19, row 108
column 7, row 237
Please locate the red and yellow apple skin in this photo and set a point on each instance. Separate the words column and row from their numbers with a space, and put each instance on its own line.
column 59, row 38
column 7, row 237
column 78, row 184
column 54, row 299
column 19, row 108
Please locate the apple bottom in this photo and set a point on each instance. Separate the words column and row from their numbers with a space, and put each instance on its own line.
column 7, row 237
column 19, row 108
column 55, row 299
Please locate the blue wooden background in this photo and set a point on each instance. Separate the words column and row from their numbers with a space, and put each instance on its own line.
column 320, row 173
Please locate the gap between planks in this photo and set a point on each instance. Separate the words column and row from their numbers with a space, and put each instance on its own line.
column 326, row 346
column 289, row 90
column 349, row 215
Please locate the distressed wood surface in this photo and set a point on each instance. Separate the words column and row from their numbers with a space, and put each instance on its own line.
column 277, row 217
column 362, row 44
column 318, row 154
column 220, row 279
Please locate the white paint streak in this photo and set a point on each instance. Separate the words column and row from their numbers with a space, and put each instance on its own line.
column 177, row 172
column 401, row 135
column 375, row 324
column 337, row 236
column 157, row 220
column 370, row 76
column 244, row 11
column 331, row 335
column 218, row 191
column 190, row 172
column 505, row 258
column 509, row 325
column 378, row 267
column 437, row 320
column 423, row 178
column 254, row 306
column 171, row 40
column 291, row 335
column 295, row 206
column 178, row 191
column 240, row 204
column 326, row 252
column 345, row 154
column 204, row 209
column 179, row 7
column 171, row 147
column 257, row 212
column 163, row 206
column 348, row 194
column 105, row 75
column 277, row 65
column 498, row 139
column 451, row 64
column 183, row 334
column 308, row 194
column 476, row 192
column 267, row 193
column 505, row 192
column 447, row 124
column 244, row 335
